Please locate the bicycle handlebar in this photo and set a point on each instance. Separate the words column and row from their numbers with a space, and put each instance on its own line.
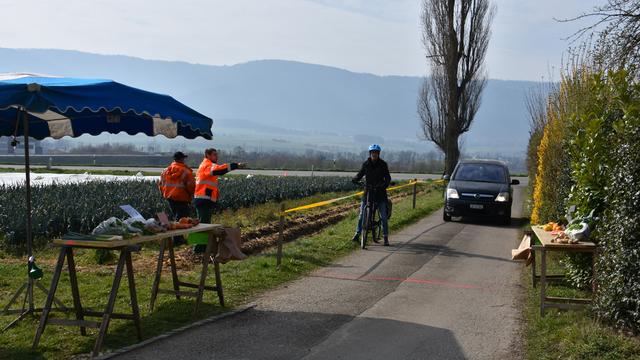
column 365, row 185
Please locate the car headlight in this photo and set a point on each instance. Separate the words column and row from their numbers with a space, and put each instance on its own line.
column 503, row 197
column 452, row 194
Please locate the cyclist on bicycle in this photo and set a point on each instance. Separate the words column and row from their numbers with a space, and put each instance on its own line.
column 377, row 178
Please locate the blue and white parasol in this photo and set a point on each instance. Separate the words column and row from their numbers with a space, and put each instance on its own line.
column 61, row 106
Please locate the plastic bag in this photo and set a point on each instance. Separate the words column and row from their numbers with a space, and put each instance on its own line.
column 134, row 225
column 107, row 226
column 111, row 226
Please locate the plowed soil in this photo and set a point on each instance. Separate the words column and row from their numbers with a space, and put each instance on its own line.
column 267, row 236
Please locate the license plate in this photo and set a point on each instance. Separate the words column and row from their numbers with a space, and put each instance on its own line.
column 476, row 206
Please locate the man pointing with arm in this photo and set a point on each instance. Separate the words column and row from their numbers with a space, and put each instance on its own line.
column 205, row 199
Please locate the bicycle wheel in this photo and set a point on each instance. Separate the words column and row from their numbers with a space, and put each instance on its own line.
column 365, row 227
column 376, row 227
column 374, row 233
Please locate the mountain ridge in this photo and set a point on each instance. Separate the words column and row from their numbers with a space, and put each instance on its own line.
column 293, row 95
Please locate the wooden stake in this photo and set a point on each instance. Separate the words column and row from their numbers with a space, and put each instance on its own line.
column 415, row 188
column 281, row 235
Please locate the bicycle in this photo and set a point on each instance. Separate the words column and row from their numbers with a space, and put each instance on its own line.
column 371, row 219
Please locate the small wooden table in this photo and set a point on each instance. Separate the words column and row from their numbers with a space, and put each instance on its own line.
column 546, row 245
column 125, row 246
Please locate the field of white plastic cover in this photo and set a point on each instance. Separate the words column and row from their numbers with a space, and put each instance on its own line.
column 48, row 179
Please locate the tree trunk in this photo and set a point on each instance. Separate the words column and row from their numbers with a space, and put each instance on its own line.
column 452, row 154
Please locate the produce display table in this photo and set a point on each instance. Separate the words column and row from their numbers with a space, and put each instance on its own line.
column 125, row 246
column 546, row 245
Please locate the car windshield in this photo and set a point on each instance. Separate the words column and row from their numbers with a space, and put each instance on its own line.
column 480, row 172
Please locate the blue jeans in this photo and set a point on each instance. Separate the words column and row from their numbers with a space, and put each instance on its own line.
column 382, row 208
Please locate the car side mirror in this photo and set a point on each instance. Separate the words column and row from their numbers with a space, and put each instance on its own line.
column 515, row 182
column 446, row 177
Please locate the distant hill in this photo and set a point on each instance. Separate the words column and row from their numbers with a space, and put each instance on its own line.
column 313, row 105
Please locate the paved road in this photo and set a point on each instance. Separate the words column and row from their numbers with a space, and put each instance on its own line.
column 442, row 291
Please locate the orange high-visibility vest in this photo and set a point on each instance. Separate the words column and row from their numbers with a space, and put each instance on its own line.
column 206, row 183
column 177, row 182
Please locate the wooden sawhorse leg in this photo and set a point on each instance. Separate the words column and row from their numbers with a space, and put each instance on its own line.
column 543, row 280
column 135, row 310
column 44, row 318
column 155, row 289
column 216, row 268
column 214, row 242
column 532, row 244
column 75, row 291
column 174, row 270
column 212, row 248
column 156, row 280
column 125, row 258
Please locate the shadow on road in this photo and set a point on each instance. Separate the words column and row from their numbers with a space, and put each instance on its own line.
column 442, row 250
column 257, row 334
column 516, row 223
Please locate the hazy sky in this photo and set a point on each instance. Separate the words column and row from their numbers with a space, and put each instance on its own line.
column 376, row 36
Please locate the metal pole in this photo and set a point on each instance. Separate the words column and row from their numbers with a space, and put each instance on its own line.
column 27, row 171
column 280, row 236
column 415, row 188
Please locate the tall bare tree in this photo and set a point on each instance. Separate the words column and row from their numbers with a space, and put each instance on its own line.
column 455, row 34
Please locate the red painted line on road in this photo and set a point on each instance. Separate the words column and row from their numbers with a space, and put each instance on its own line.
column 398, row 279
column 424, row 281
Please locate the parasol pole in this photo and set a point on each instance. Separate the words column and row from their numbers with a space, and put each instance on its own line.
column 27, row 173
column 30, row 284
column 28, row 287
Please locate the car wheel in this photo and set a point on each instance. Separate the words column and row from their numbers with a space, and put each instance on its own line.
column 507, row 219
column 446, row 217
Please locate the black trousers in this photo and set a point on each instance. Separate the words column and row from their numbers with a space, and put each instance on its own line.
column 179, row 209
column 204, row 209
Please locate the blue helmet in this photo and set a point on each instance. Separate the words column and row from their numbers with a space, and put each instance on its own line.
column 375, row 147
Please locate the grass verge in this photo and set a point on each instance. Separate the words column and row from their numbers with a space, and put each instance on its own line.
column 242, row 281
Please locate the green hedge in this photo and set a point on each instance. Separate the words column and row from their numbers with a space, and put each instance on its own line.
column 589, row 156
column 618, row 267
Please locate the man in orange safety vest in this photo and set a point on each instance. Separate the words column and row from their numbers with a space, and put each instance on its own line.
column 206, row 194
column 177, row 186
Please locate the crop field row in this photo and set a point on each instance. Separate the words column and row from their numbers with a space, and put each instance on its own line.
column 59, row 208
